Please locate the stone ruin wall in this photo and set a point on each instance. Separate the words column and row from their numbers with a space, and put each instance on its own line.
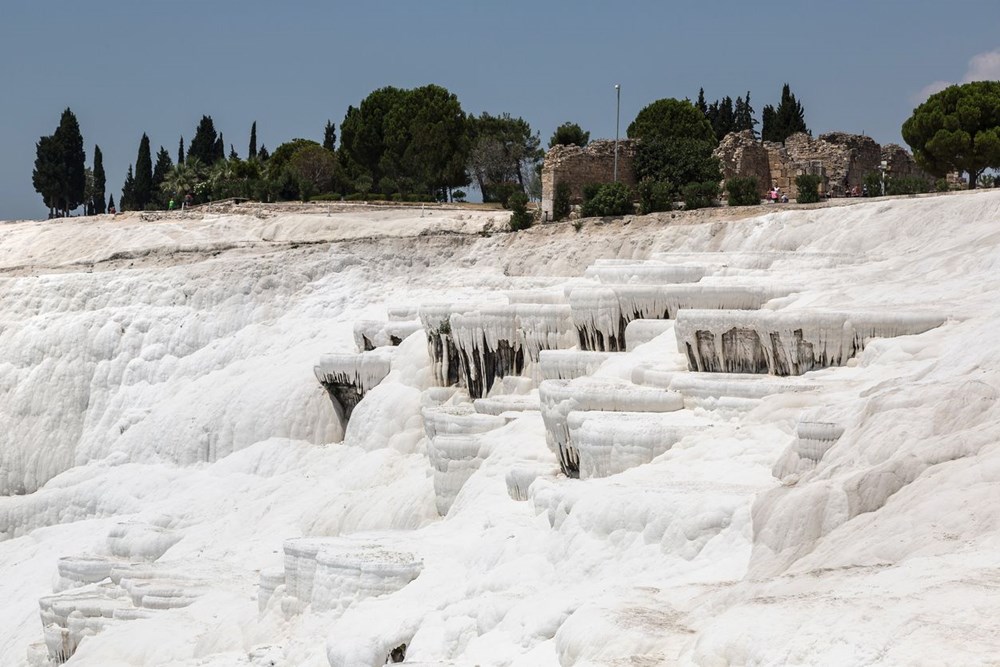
column 579, row 167
column 840, row 159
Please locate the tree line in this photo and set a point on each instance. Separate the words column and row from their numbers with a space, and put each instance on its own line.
column 403, row 144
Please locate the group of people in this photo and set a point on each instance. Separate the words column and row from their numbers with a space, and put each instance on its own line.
column 188, row 199
column 776, row 195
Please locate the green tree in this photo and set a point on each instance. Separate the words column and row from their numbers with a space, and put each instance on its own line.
column 161, row 169
column 676, row 160
column 743, row 115
column 127, row 200
column 560, row 202
column 206, row 144
column 60, row 171
column 569, row 134
column 142, row 190
column 180, row 151
column 670, row 118
column 700, row 195
column 252, row 152
column 330, row 137
column 654, row 196
column 701, row 105
column 111, row 203
column 315, row 170
column 182, row 179
column 957, row 129
column 785, row 120
column 504, row 155
column 48, row 173
column 100, row 181
column 520, row 218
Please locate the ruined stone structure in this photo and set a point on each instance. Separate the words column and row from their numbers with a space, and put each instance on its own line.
column 841, row 161
column 578, row 167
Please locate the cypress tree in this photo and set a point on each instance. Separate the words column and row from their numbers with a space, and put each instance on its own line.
column 702, row 106
column 180, row 152
column 111, row 202
column 220, row 149
column 204, row 144
column 252, row 153
column 74, row 174
column 263, row 154
column 785, row 120
column 163, row 166
column 128, row 191
column 142, row 192
column 232, row 153
column 329, row 136
column 47, row 175
column 100, row 181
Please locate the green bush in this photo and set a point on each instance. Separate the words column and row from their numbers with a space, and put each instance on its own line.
column 743, row 191
column 873, row 183
column 501, row 192
column 941, row 185
column 458, row 195
column 808, row 185
column 654, row 196
column 700, row 195
column 560, row 202
column 610, row 199
column 906, row 186
column 520, row 218
column 590, row 190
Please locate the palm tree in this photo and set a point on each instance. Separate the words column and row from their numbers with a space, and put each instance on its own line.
column 182, row 179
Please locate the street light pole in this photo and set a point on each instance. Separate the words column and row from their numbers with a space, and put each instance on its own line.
column 618, row 109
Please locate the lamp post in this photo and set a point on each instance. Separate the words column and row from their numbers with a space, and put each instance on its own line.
column 618, row 108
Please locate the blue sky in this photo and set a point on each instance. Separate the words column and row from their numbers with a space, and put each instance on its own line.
column 157, row 66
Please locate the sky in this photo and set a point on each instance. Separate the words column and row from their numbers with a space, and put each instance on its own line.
column 157, row 66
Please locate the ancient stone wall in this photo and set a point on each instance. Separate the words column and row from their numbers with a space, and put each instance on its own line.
column 578, row 167
column 740, row 155
column 841, row 161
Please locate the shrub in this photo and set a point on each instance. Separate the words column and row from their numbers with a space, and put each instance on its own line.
column 560, row 202
column 610, row 199
column 743, row 191
column 906, row 186
column 700, row 195
column 873, row 183
column 808, row 185
column 654, row 196
column 590, row 190
column 520, row 218
column 941, row 185
column 986, row 181
column 458, row 195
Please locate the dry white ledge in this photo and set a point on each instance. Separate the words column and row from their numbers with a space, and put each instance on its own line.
column 348, row 377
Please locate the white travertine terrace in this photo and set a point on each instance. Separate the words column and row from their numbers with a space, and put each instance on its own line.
column 786, row 342
column 457, row 420
column 560, row 397
column 640, row 332
column 506, row 403
column 454, row 459
column 646, row 273
column 371, row 334
column 348, row 377
column 520, row 477
column 332, row 573
column 502, row 341
column 436, row 321
column 601, row 314
column 611, row 442
column 570, row 364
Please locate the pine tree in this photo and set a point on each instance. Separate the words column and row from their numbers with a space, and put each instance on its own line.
column 128, row 192
column 233, row 155
column 163, row 167
column 252, row 153
column 263, row 154
column 329, row 136
column 111, row 203
column 220, row 149
column 744, row 115
column 180, row 152
column 702, row 106
column 100, row 181
column 724, row 117
column 142, row 191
